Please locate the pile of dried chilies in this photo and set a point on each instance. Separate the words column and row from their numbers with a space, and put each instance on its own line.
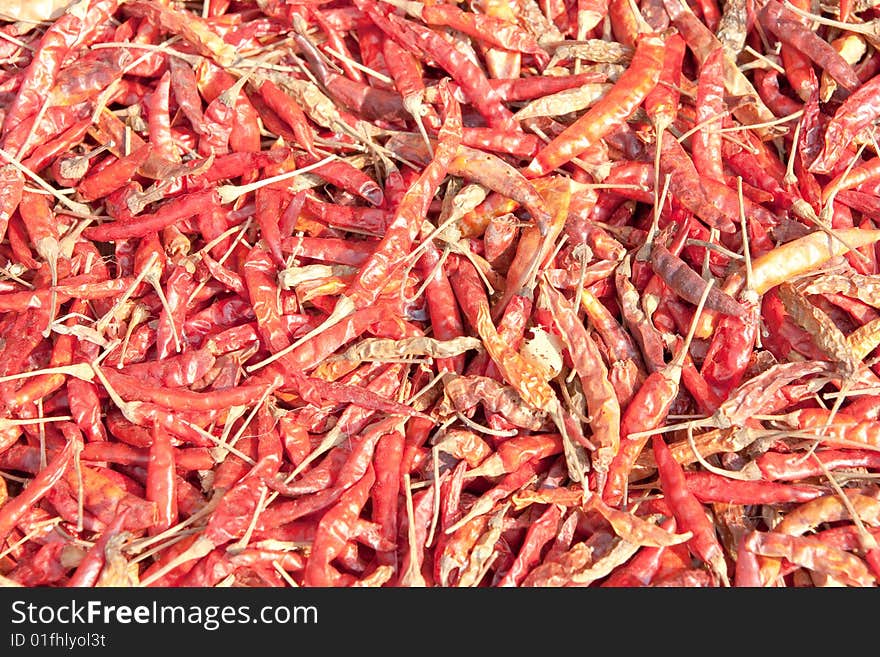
column 401, row 293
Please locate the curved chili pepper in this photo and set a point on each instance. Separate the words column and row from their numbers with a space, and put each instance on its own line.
column 685, row 282
column 15, row 508
column 688, row 512
column 603, row 117
column 602, row 402
column 784, row 24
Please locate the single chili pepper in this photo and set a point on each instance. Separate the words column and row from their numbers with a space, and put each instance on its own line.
column 518, row 144
column 226, row 277
column 135, row 390
column 320, row 477
column 288, row 111
column 385, row 495
column 89, row 569
column 336, row 41
column 710, row 487
column 465, row 392
column 176, row 210
column 14, row 509
column 260, row 281
column 688, row 512
column 333, row 530
column 318, row 392
column 863, row 174
column 688, row 284
column 186, row 459
column 784, row 24
column 161, row 483
column 159, row 120
column 602, row 402
column 798, row 67
column 794, row 467
column 662, row 101
column 844, row 430
column 858, row 201
column 603, row 117
column 225, row 312
column 725, row 364
column 268, row 209
column 372, row 221
column 445, row 316
column 828, row 509
column 513, row 453
column 170, row 331
column 406, row 71
column 646, row 336
column 239, row 163
column 185, row 90
column 625, row 24
column 219, row 120
column 706, row 142
column 686, row 186
column 767, row 86
column 44, row 154
column 538, row 535
column 101, row 183
column 803, row 255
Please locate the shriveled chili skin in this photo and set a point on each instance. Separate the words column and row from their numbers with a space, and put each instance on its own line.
column 784, row 24
column 856, row 113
